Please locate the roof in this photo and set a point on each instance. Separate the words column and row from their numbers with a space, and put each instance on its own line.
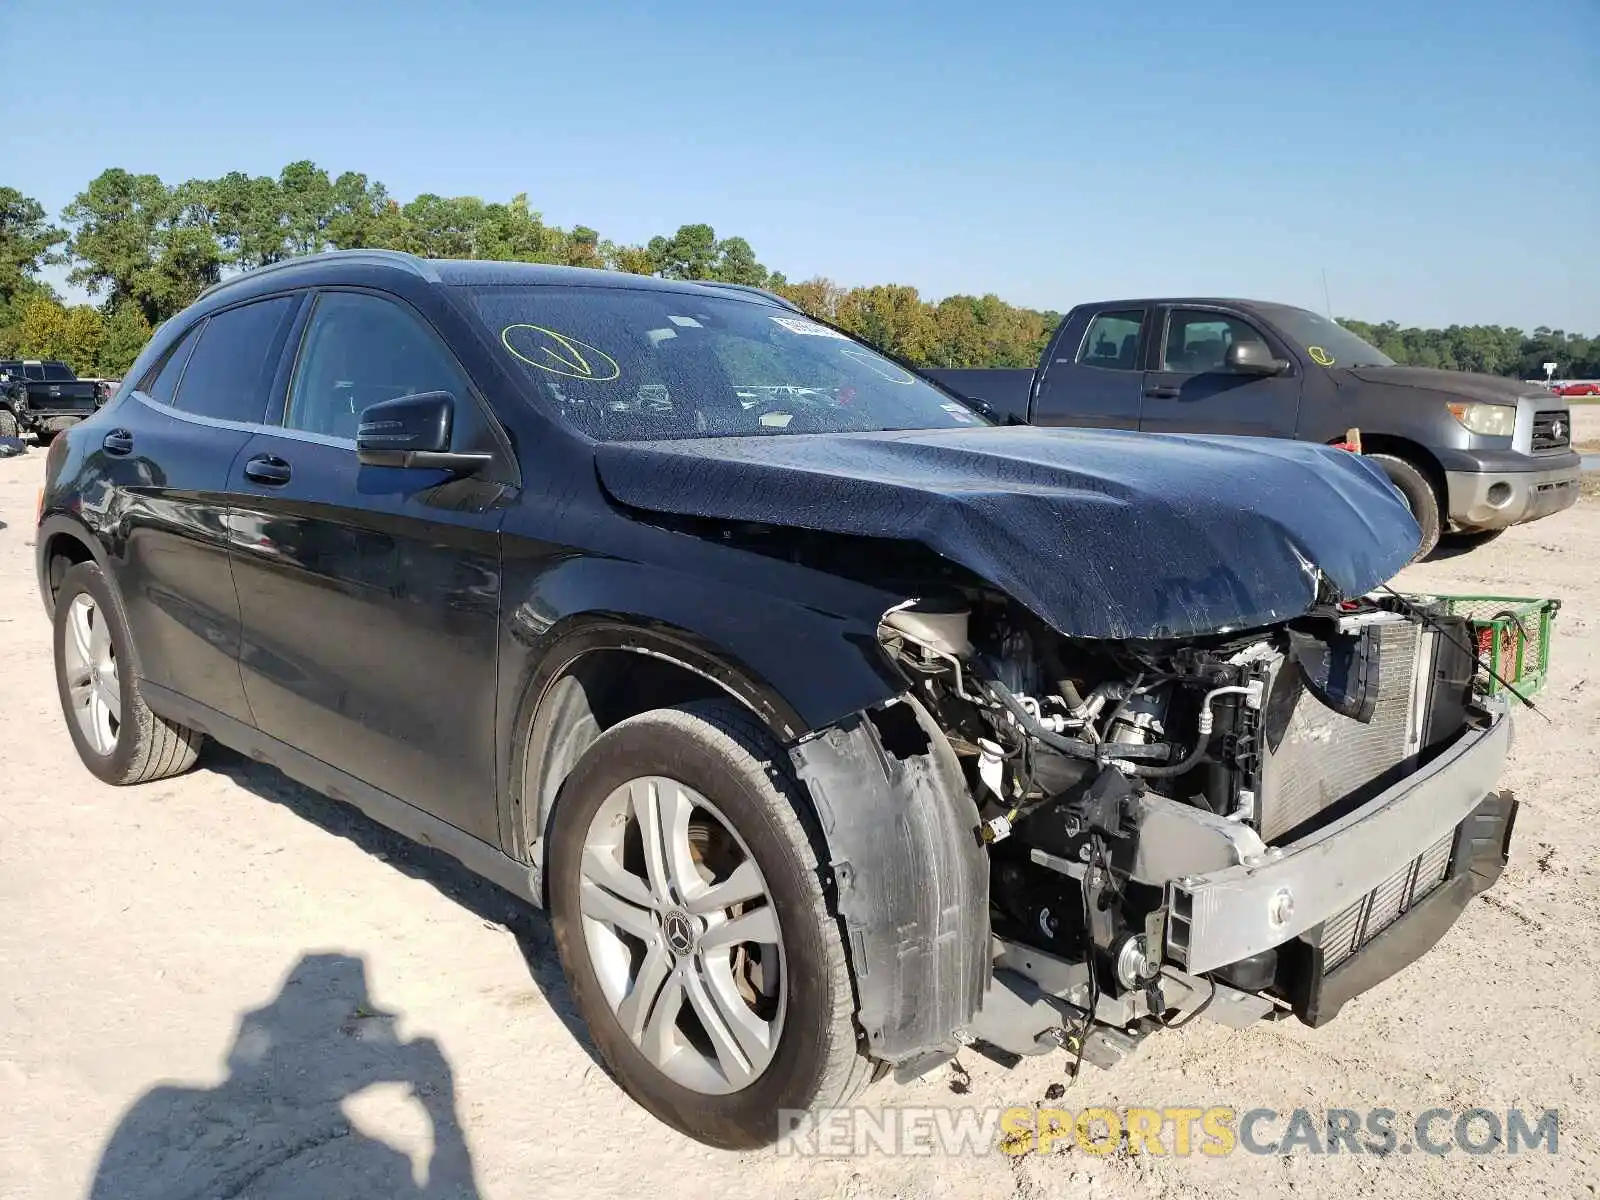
column 457, row 272
column 1202, row 301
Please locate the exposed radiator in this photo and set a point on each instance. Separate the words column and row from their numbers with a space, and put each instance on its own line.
column 1313, row 757
column 1350, row 930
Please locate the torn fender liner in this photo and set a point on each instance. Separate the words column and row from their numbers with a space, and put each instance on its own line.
column 911, row 880
column 1103, row 534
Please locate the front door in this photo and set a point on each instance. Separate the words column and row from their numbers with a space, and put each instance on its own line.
column 370, row 596
column 1193, row 390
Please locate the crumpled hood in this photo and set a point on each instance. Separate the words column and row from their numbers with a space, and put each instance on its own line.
column 1469, row 385
column 1101, row 534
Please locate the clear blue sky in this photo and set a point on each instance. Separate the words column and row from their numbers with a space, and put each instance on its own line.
column 1438, row 157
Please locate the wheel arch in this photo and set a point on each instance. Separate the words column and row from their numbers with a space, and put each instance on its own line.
column 62, row 544
column 1414, row 453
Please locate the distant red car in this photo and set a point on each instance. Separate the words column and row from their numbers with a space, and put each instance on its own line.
column 1578, row 389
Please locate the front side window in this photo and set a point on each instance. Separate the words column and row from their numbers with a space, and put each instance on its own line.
column 1197, row 341
column 625, row 364
column 360, row 350
column 231, row 367
column 33, row 372
column 1113, row 341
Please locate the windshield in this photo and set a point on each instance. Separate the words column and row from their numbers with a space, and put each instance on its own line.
column 1327, row 343
column 629, row 365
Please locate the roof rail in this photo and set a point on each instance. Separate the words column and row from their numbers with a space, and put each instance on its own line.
column 751, row 289
column 389, row 258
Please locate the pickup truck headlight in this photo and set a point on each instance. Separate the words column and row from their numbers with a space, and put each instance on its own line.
column 1496, row 420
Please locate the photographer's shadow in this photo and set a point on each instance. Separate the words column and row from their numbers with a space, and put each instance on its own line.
column 276, row 1127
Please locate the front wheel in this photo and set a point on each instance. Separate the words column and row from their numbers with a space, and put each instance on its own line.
column 8, row 424
column 1420, row 497
column 116, row 734
column 687, row 905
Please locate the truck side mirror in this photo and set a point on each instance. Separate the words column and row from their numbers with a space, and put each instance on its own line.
column 1253, row 358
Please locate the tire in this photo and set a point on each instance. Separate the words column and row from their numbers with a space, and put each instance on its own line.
column 43, row 437
column 8, row 424
column 119, row 739
column 1420, row 497
column 724, row 755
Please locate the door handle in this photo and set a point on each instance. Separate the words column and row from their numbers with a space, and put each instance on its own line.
column 267, row 468
column 1162, row 393
column 118, row 442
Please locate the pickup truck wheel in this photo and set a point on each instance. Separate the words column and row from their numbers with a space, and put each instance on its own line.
column 45, row 436
column 688, row 909
column 119, row 739
column 1419, row 495
column 8, row 424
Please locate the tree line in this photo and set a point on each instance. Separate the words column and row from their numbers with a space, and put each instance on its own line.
column 144, row 249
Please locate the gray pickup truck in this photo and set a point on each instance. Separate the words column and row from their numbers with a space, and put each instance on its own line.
column 1470, row 453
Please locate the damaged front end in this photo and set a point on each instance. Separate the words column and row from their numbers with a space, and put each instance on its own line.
column 1239, row 825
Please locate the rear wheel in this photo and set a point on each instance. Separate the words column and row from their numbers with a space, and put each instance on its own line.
column 116, row 734
column 686, row 902
column 1420, row 496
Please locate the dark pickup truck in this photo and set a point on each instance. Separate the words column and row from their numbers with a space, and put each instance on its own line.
column 1470, row 453
column 43, row 398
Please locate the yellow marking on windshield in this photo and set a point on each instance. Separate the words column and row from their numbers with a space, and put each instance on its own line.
column 1320, row 356
column 560, row 354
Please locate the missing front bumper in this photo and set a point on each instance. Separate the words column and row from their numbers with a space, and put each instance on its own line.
column 1317, row 986
column 1232, row 914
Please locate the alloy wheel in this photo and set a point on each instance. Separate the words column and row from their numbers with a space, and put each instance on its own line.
column 681, row 931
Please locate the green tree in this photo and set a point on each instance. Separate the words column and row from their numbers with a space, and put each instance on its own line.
column 51, row 330
column 139, row 241
column 126, row 334
column 27, row 243
column 891, row 317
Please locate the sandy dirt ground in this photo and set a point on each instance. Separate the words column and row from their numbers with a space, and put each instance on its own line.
column 225, row 985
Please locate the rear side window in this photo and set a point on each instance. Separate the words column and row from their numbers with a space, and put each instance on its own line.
column 1113, row 341
column 231, row 369
column 162, row 381
column 58, row 373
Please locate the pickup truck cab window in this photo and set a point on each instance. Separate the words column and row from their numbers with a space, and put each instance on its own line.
column 230, row 369
column 362, row 349
column 1197, row 340
column 1112, row 340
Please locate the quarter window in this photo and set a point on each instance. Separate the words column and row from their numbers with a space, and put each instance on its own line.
column 230, row 370
column 161, row 382
column 1197, row 341
column 1113, row 341
column 360, row 350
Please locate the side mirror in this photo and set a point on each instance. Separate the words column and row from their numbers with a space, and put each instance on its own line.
column 1253, row 358
column 413, row 431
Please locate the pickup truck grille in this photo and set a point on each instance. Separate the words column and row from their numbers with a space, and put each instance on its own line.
column 1313, row 757
column 1552, row 431
column 1350, row 930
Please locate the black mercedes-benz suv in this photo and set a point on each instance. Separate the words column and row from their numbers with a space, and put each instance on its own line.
column 836, row 726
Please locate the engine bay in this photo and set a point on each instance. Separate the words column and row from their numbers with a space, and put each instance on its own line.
column 1104, row 771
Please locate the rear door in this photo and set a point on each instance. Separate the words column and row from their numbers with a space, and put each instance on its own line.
column 1093, row 371
column 1191, row 389
column 165, row 461
column 370, row 596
